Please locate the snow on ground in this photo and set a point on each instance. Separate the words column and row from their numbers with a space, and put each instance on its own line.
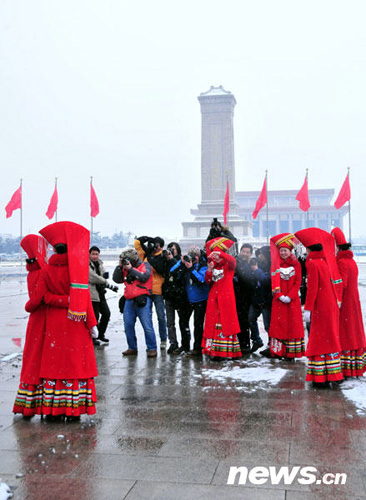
column 252, row 376
column 5, row 492
column 355, row 391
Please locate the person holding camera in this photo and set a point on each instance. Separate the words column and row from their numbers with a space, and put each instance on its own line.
column 137, row 278
column 244, row 288
column 97, row 286
column 191, row 271
column 151, row 250
column 174, row 295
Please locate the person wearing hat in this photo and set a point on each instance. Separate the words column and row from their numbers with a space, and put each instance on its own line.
column 28, row 400
column 137, row 278
column 286, row 331
column 220, row 335
column 351, row 329
column 321, row 308
column 68, row 365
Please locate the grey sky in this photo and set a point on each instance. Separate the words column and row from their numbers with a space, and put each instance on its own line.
column 110, row 89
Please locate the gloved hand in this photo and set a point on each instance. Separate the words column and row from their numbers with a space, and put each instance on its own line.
column 284, row 299
column 306, row 316
column 114, row 288
column 94, row 332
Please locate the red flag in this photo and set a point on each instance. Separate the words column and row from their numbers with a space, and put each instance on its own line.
column 344, row 194
column 52, row 207
column 303, row 196
column 226, row 204
column 262, row 200
column 94, row 204
column 14, row 203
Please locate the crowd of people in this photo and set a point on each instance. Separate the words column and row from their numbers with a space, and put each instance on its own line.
column 226, row 289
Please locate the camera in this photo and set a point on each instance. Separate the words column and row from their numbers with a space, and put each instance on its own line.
column 166, row 253
column 253, row 261
column 125, row 262
column 188, row 257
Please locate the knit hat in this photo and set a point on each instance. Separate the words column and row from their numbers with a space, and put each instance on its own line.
column 34, row 246
column 194, row 250
column 77, row 239
column 283, row 240
column 130, row 254
column 339, row 237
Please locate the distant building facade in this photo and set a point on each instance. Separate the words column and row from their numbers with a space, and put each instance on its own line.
column 285, row 216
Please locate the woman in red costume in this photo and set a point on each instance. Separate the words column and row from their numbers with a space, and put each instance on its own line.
column 286, row 331
column 221, row 322
column 68, row 364
column 322, row 307
column 351, row 330
column 29, row 396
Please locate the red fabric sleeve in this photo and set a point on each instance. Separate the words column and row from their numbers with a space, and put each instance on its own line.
column 54, row 300
column 343, row 270
column 312, row 286
column 294, row 291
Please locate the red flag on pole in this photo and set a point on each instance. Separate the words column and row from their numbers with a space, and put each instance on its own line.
column 303, row 196
column 14, row 203
column 262, row 200
column 94, row 204
column 344, row 194
column 52, row 207
column 226, row 204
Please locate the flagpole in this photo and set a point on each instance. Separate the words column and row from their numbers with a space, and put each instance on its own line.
column 349, row 211
column 307, row 212
column 91, row 218
column 267, row 209
column 21, row 224
column 57, row 203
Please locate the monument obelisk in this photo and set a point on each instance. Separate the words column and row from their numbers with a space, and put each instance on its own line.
column 217, row 167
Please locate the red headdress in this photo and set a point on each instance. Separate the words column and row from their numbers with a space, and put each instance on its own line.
column 35, row 247
column 283, row 240
column 313, row 236
column 77, row 239
column 339, row 237
column 220, row 244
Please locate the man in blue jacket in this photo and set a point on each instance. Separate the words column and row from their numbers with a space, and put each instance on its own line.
column 191, row 269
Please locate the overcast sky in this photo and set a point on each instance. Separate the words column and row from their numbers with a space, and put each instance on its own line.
column 110, row 88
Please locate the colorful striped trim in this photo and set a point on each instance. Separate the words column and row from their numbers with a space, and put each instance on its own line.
column 323, row 368
column 220, row 243
column 82, row 286
column 76, row 316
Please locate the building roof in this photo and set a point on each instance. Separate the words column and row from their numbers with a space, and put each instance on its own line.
column 216, row 91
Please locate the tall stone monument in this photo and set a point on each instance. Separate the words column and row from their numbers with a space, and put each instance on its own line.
column 217, row 167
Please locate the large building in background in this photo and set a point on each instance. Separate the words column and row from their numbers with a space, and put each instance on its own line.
column 218, row 168
column 285, row 216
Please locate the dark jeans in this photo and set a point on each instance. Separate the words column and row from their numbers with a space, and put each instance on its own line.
column 199, row 310
column 254, row 313
column 170, row 319
column 242, row 309
column 101, row 310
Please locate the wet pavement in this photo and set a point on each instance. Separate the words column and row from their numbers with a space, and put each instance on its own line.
column 172, row 427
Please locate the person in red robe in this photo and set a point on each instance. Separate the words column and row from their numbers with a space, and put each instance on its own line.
column 322, row 307
column 68, row 364
column 286, row 331
column 28, row 400
column 221, row 322
column 351, row 329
